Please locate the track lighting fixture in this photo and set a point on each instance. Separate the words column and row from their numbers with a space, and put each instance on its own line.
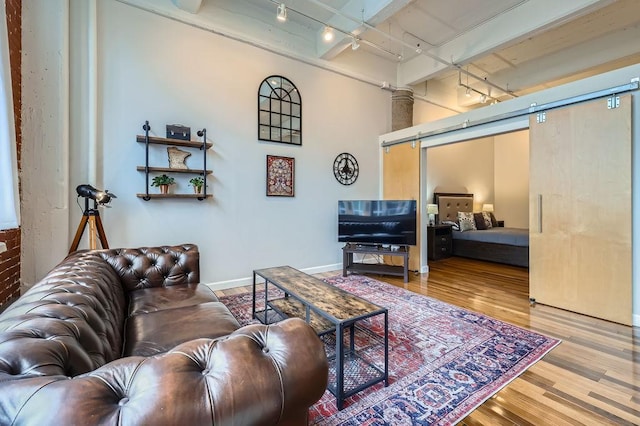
column 470, row 91
column 354, row 43
column 327, row 34
column 282, row 12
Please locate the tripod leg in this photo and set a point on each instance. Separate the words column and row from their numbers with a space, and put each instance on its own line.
column 79, row 232
column 92, row 233
column 101, row 234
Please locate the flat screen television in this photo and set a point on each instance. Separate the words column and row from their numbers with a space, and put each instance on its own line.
column 374, row 222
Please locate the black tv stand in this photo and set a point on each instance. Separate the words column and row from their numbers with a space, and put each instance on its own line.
column 375, row 268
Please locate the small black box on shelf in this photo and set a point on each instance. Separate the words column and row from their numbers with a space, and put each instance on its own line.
column 176, row 131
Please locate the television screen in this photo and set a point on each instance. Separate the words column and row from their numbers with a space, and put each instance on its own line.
column 377, row 222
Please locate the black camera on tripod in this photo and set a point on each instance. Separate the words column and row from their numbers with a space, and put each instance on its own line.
column 91, row 216
column 100, row 197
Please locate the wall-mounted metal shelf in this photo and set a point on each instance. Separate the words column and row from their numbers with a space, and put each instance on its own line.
column 147, row 169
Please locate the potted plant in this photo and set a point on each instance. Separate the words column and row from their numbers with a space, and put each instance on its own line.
column 163, row 182
column 197, row 183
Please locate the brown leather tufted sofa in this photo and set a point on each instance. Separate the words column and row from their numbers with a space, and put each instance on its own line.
column 129, row 337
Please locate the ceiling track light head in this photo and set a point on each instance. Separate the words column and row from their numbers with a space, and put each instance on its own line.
column 354, row 43
column 327, row 34
column 282, row 12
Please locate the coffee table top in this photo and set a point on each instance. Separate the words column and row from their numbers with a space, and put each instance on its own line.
column 333, row 301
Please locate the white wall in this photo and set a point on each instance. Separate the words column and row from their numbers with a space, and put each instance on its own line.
column 424, row 112
column 495, row 169
column 462, row 167
column 511, row 184
column 153, row 68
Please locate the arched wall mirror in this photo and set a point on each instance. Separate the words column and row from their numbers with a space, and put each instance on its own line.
column 279, row 111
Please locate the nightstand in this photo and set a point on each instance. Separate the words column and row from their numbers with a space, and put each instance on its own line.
column 500, row 223
column 439, row 242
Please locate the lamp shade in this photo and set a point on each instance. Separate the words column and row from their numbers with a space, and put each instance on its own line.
column 487, row 207
column 432, row 208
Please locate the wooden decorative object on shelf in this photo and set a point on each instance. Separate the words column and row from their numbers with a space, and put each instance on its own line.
column 177, row 158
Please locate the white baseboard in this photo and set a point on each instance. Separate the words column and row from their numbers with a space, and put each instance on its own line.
column 240, row 282
column 636, row 320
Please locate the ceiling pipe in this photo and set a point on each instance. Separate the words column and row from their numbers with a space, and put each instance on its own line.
column 374, row 29
column 410, row 46
column 347, row 33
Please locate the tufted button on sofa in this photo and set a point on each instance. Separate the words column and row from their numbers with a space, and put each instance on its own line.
column 130, row 337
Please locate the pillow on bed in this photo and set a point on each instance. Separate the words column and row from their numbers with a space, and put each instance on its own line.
column 487, row 220
column 494, row 222
column 454, row 225
column 480, row 222
column 466, row 221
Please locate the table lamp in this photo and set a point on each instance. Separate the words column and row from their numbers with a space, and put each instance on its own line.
column 432, row 210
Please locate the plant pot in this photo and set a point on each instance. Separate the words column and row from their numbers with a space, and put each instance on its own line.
column 197, row 189
column 164, row 189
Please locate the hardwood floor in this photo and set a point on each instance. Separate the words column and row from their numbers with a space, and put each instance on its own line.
column 591, row 378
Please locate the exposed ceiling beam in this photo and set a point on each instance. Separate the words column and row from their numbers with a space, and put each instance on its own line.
column 513, row 25
column 570, row 61
column 191, row 6
column 350, row 18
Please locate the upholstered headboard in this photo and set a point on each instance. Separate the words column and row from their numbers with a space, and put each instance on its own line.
column 449, row 204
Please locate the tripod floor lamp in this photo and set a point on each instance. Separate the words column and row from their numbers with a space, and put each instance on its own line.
column 91, row 216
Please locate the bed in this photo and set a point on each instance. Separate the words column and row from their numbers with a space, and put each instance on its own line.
column 495, row 244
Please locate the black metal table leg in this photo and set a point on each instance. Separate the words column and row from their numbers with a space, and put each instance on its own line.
column 386, row 349
column 253, row 300
column 339, row 367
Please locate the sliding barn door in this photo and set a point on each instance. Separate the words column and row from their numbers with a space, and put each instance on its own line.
column 580, row 209
column 401, row 181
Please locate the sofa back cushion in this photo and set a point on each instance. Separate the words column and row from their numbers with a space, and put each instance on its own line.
column 68, row 323
column 148, row 267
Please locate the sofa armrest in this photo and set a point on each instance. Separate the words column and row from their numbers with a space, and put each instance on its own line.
column 162, row 266
column 260, row 374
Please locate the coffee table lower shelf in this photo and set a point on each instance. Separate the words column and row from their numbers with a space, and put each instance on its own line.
column 289, row 307
column 358, row 372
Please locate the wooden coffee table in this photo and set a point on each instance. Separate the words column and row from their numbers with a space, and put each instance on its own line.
column 343, row 320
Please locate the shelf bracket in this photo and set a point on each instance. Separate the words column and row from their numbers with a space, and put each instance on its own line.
column 203, row 134
column 146, row 127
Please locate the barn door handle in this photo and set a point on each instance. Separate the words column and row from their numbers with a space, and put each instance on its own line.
column 540, row 213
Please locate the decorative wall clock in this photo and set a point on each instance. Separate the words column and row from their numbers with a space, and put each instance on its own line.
column 345, row 168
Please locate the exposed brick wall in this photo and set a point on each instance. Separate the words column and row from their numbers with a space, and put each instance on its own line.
column 10, row 260
column 10, row 267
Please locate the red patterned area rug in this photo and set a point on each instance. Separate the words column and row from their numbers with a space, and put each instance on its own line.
column 444, row 361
